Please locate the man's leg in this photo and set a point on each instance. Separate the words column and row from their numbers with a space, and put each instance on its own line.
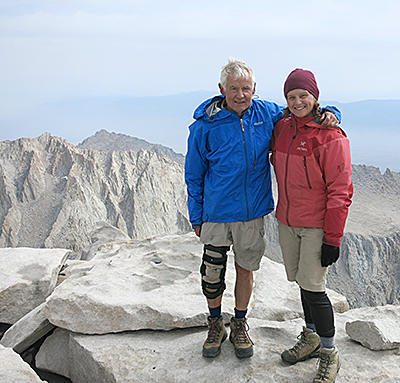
column 214, row 303
column 243, row 287
column 249, row 247
column 239, row 336
column 213, row 283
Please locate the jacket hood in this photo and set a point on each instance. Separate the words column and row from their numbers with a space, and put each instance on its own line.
column 209, row 107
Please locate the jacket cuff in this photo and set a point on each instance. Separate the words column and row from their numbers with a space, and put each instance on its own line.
column 332, row 242
column 333, row 110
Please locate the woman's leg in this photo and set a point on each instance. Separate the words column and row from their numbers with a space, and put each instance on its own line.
column 321, row 314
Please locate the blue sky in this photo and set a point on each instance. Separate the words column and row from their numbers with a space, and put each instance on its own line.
column 54, row 49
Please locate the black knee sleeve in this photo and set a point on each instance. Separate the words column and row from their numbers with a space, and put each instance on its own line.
column 213, row 270
column 320, row 310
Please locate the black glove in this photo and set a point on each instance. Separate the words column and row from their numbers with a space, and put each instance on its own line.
column 329, row 254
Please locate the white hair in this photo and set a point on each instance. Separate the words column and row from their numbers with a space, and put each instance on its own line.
column 238, row 68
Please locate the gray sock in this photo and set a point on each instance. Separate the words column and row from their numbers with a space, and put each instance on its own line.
column 327, row 342
column 311, row 326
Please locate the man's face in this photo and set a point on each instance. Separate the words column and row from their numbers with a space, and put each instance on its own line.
column 238, row 93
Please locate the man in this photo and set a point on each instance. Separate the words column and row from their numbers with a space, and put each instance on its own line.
column 227, row 172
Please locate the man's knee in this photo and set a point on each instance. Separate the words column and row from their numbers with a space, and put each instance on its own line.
column 213, row 269
column 243, row 274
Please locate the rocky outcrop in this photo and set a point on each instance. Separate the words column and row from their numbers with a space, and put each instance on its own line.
column 27, row 277
column 111, row 314
column 52, row 193
column 14, row 370
column 175, row 356
column 141, row 285
column 107, row 142
column 377, row 328
column 368, row 270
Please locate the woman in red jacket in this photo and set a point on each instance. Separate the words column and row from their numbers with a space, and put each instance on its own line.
column 313, row 170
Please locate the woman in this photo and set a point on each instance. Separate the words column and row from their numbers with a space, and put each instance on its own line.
column 313, row 170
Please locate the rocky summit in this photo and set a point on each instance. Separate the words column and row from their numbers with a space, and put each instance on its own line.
column 99, row 275
column 134, row 312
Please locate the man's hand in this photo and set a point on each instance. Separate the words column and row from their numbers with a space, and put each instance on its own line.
column 197, row 230
column 328, row 119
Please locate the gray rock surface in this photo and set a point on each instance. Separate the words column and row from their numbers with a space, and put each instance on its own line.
column 175, row 356
column 101, row 234
column 121, row 288
column 377, row 328
column 27, row 330
column 368, row 270
column 124, row 279
column 14, row 370
column 27, row 277
column 106, row 142
column 53, row 193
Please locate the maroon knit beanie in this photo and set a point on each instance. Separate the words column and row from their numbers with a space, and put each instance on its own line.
column 301, row 79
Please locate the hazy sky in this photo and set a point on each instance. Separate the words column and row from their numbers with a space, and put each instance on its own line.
column 53, row 50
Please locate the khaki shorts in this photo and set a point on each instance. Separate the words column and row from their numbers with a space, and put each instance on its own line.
column 247, row 239
column 301, row 250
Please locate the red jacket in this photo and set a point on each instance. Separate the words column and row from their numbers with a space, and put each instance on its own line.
column 313, row 170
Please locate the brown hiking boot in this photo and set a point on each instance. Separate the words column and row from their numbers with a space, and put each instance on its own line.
column 216, row 335
column 307, row 347
column 240, row 338
column 329, row 366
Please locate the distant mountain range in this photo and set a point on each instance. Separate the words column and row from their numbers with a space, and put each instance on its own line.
column 107, row 142
column 371, row 125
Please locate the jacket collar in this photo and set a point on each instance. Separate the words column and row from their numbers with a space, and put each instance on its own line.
column 214, row 107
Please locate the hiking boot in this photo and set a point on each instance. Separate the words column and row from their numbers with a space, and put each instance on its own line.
column 240, row 338
column 329, row 366
column 216, row 335
column 307, row 347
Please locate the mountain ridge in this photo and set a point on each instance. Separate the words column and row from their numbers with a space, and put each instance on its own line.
column 110, row 141
column 370, row 124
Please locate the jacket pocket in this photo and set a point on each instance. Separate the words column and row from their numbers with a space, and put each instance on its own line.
column 306, row 171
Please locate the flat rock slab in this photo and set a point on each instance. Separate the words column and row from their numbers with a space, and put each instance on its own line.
column 377, row 328
column 151, row 284
column 27, row 277
column 14, row 370
column 155, row 284
column 175, row 356
column 27, row 330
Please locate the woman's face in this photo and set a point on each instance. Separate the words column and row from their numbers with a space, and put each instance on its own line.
column 300, row 102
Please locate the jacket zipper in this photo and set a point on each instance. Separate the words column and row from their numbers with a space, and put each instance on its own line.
column 286, row 174
column 245, row 177
column 306, row 170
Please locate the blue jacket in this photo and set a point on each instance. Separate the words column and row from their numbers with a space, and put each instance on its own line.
column 227, row 168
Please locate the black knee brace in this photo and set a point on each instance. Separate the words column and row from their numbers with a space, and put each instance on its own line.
column 213, row 270
column 320, row 310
